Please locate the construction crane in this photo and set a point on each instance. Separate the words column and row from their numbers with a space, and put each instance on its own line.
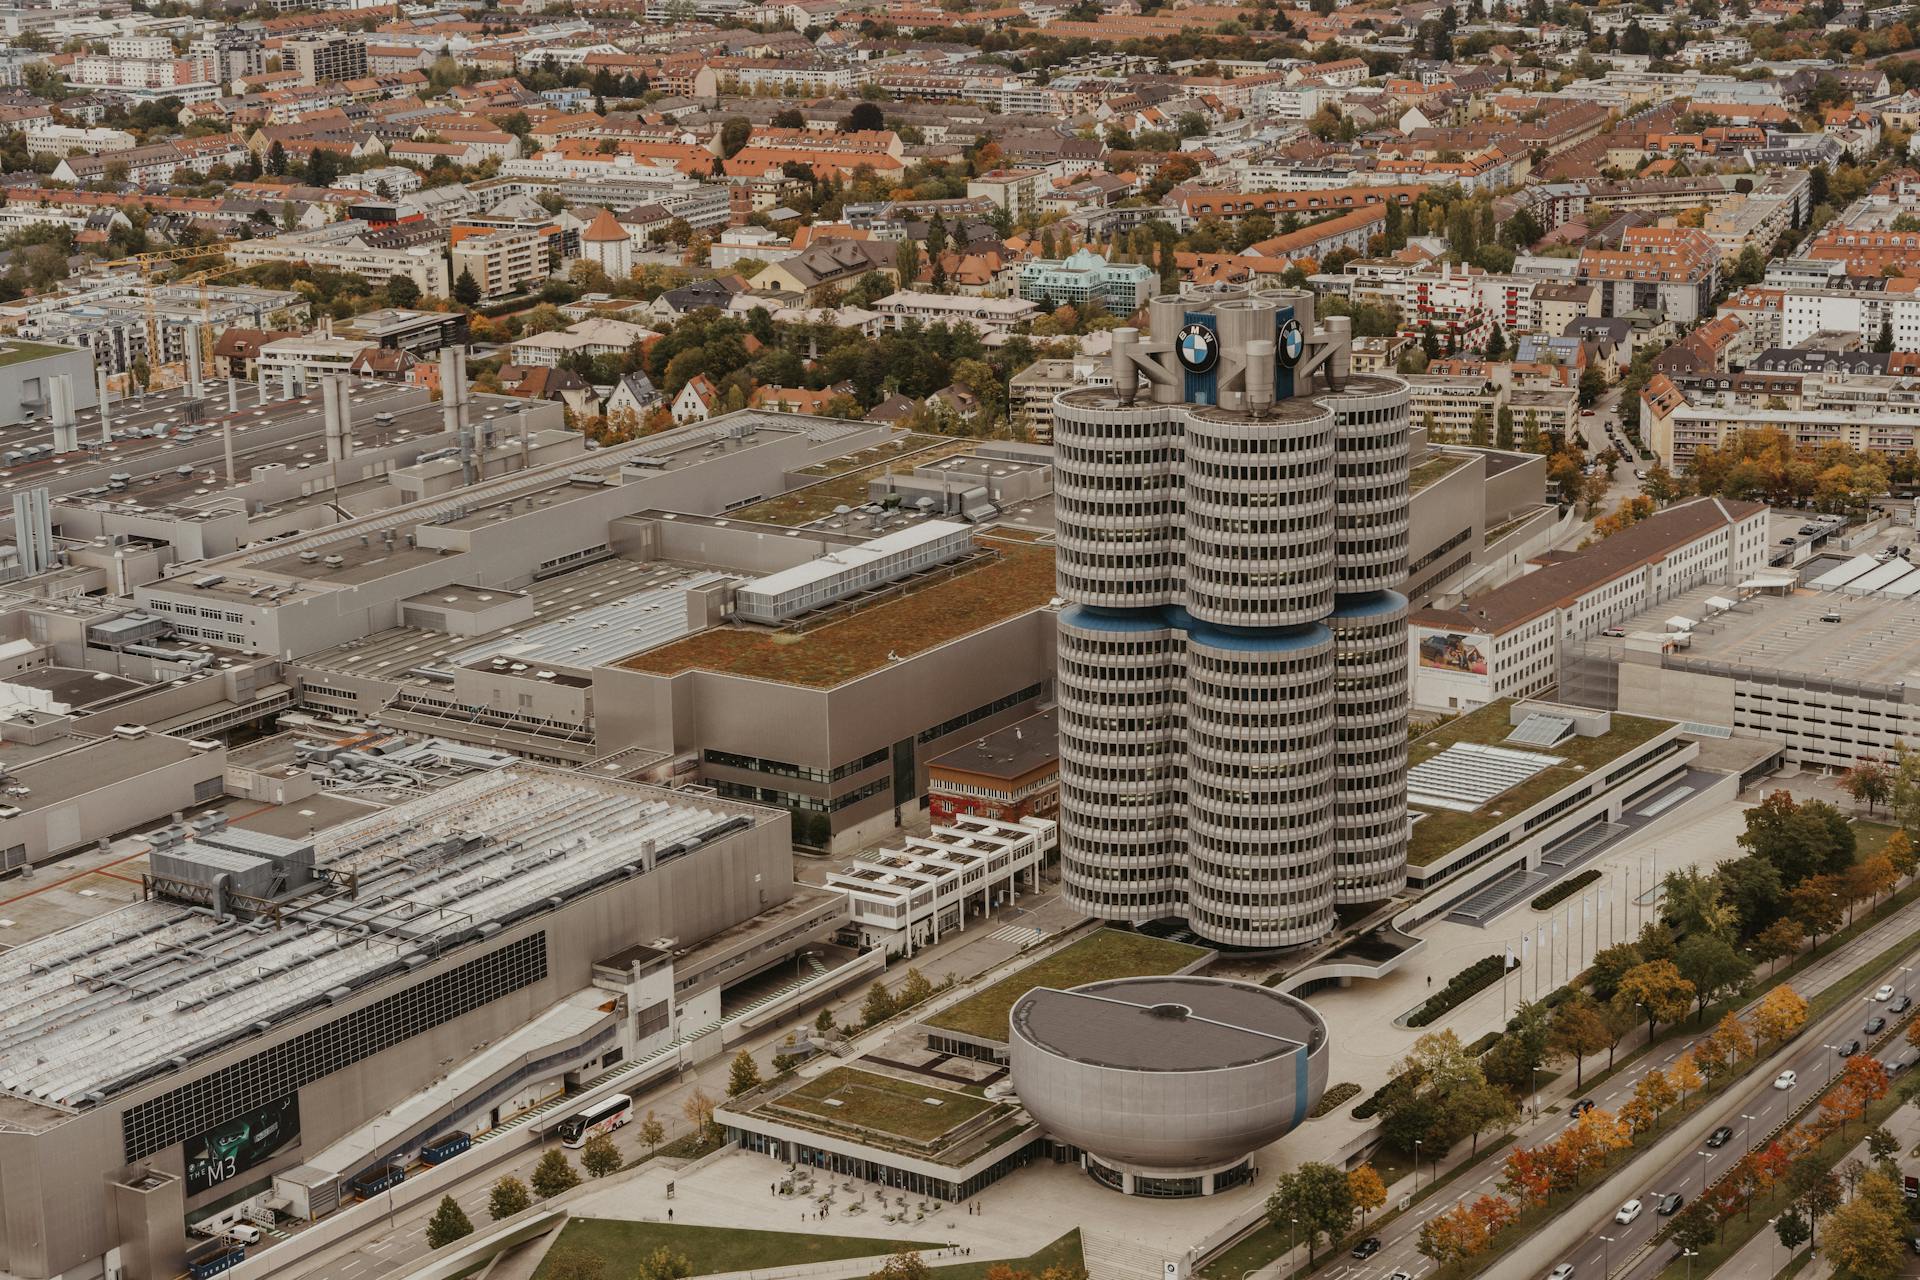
column 145, row 264
column 202, row 279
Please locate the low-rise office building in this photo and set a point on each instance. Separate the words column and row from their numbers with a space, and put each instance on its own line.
column 904, row 899
column 1506, row 643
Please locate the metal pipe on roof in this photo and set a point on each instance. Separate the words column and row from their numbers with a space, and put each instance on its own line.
column 343, row 409
column 106, row 419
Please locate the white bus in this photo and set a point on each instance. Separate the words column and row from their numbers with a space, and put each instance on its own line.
column 603, row 1116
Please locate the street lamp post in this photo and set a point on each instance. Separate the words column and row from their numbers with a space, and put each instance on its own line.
column 1416, row 1164
column 1706, row 1159
column 1689, row 1255
column 1832, row 1051
column 1606, row 1254
column 1905, row 969
column 1746, row 1132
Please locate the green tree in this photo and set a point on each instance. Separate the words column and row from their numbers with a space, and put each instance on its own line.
column 1578, row 1029
column 508, row 1197
column 914, row 989
column 466, row 290
column 1317, row 1199
column 652, row 1132
column 734, row 132
column 906, row 1264
column 1593, row 385
column 1695, row 1228
column 323, row 166
column 599, row 1157
column 449, row 1223
column 664, row 1264
column 554, row 1174
column 402, row 292
column 1792, row 1229
column 1866, row 1234
column 878, row 1006
column 743, row 1075
column 1712, row 965
column 823, row 1023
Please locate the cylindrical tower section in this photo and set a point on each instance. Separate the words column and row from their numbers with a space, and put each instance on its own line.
column 1123, row 791
column 1370, row 488
column 1260, row 502
column 1370, row 751
column 1117, row 498
column 1260, row 786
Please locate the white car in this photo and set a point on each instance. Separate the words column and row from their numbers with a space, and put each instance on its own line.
column 1785, row 1080
column 1883, row 994
column 1628, row 1212
column 1561, row 1272
column 244, row 1233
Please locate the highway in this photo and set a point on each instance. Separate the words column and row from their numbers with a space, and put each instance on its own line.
column 1400, row 1238
column 1815, row 1062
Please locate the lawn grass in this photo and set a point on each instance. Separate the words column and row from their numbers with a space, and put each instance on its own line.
column 1106, row 953
column 843, row 482
column 1441, row 831
column 1064, row 1252
column 1015, row 580
column 1870, row 837
column 714, row 1249
column 883, row 1103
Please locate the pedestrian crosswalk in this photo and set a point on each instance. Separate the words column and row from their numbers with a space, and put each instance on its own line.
column 1019, row 935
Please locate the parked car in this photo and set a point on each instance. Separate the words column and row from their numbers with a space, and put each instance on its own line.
column 1720, row 1137
column 1367, row 1248
column 1614, row 632
column 244, row 1233
column 1669, row 1204
column 1628, row 1211
column 1875, row 1026
column 1785, row 1080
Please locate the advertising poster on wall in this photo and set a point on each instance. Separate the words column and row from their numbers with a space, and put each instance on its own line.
column 226, row 1151
column 1451, row 651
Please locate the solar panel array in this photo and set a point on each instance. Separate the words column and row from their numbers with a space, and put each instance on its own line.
column 1467, row 775
column 1539, row 730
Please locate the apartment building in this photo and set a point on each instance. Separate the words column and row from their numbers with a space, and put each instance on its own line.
column 324, row 59
column 504, row 261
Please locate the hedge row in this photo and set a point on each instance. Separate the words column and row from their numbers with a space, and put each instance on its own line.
column 1332, row 1098
column 1564, row 890
column 1470, row 981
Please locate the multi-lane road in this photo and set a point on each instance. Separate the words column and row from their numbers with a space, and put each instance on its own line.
column 1400, row 1237
column 1754, row 1109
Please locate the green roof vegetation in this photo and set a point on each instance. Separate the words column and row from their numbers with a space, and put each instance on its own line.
column 1435, row 468
column 13, row 351
column 711, row 1250
column 1441, row 831
column 922, row 617
column 906, row 1109
column 1063, row 1253
column 1108, row 953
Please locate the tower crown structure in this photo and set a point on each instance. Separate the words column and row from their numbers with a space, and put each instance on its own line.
column 1233, row 683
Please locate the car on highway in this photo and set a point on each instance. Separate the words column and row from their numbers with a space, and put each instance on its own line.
column 1785, row 1080
column 1847, row 1048
column 1720, row 1137
column 1628, row 1211
column 1669, row 1204
column 1562, row 1272
column 1875, row 1026
column 1901, row 1005
column 1581, row 1107
column 1399, row 1275
column 1367, row 1248
column 1884, row 994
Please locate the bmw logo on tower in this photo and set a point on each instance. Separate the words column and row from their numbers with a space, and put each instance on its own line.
column 1292, row 345
column 1198, row 347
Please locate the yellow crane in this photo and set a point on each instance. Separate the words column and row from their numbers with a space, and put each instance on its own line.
column 145, row 263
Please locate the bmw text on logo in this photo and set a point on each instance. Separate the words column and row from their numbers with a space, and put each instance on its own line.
column 1293, row 343
column 1198, row 347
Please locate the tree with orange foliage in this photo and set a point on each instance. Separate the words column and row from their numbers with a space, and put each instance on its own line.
column 1655, row 1092
column 1528, row 1175
column 1684, row 1074
column 1780, row 1013
column 1871, row 877
column 1369, row 1192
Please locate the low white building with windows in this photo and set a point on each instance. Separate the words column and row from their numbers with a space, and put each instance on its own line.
column 905, row 899
column 1507, row 642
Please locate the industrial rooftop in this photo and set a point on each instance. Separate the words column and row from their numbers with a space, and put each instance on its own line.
column 126, row 997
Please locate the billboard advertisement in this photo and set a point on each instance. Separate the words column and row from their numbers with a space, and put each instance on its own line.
column 1451, row 651
column 226, row 1151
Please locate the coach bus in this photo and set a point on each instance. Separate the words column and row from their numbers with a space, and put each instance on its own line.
column 603, row 1116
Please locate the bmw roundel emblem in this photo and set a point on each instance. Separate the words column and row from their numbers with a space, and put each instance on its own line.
column 1198, row 347
column 1293, row 343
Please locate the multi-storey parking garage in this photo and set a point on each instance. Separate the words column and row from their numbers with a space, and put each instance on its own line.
column 1232, row 671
